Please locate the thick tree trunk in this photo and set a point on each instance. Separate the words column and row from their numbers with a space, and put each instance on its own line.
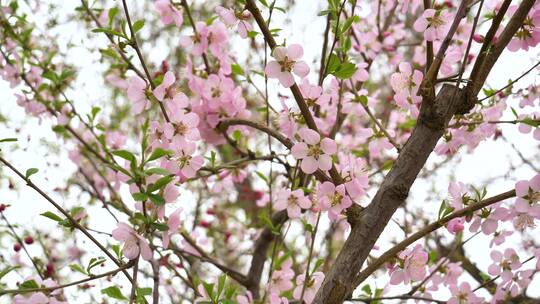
column 434, row 118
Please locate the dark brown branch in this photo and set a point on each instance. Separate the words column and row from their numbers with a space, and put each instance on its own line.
column 75, row 224
column 427, row 230
column 496, row 50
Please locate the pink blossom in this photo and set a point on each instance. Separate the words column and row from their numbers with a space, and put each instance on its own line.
column 184, row 163
column 162, row 90
column 458, row 191
column 500, row 237
column 173, row 224
column 312, row 286
column 231, row 18
column 282, row 278
column 168, row 12
column 406, row 84
column 434, row 24
column 528, row 34
column 355, row 171
column 463, row 294
column 414, row 266
column 455, row 225
column 136, row 92
column 245, row 299
column 526, row 207
column 287, row 61
column 134, row 244
column 314, row 152
column 333, row 199
column 183, row 126
column 504, row 264
column 294, row 201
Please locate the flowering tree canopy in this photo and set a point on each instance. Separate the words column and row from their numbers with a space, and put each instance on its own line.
column 222, row 152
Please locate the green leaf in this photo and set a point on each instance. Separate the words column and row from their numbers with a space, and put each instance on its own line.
column 159, row 184
column 442, row 207
column 221, row 284
column 51, row 75
column 138, row 25
column 11, row 139
column 157, row 199
column 139, row 196
column 31, row 172
column 117, row 250
column 324, row 13
column 433, row 255
column 145, row 291
column 52, row 216
column 252, row 34
column 263, row 177
column 514, row 112
column 110, row 32
column 94, row 262
column 348, row 23
column 160, row 226
column 333, row 64
column 158, row 171
column 345, row 71
column 30, row 284
column 158, row 153
column 367, row 289
column 209, row 288
column 237, row 69
column 95, row 111
column 113, row 292
column 7, row 270
column 78, row 268
column 531, row 122
column 125, row 155
column 112, row 13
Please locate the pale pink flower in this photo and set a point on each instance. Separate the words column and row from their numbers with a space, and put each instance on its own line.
column 414, row 266
column 294, row 201
column 173, row 223
column 504, row 264
column 245, row 299
column 287, row 61
column 276, row 299
column 282, row 278
column 434, row 24
column 169, row 13
column 458, row 191
column 162, row 90
column 136, row 92
column 314, row 152
column 231, row 18
column 183, row 125
column 134, row 244
column 463, row 294
column 312, row 286
column 333, row 199
column 406, row 84
column 354, row 169
column 500, row 237
column 184, row 164
column 115, row 139
column 528, row 34
column 455, row 225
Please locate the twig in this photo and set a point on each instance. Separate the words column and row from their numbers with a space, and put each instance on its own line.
column 76, row 224
column 49, row 289
column 427, row 230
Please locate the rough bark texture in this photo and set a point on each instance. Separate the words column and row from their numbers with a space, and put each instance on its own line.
column 432, row 123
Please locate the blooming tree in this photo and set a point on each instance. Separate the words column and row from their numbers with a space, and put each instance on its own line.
column 221, row 161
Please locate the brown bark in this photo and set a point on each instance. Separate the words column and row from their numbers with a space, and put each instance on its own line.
column 434, row 117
